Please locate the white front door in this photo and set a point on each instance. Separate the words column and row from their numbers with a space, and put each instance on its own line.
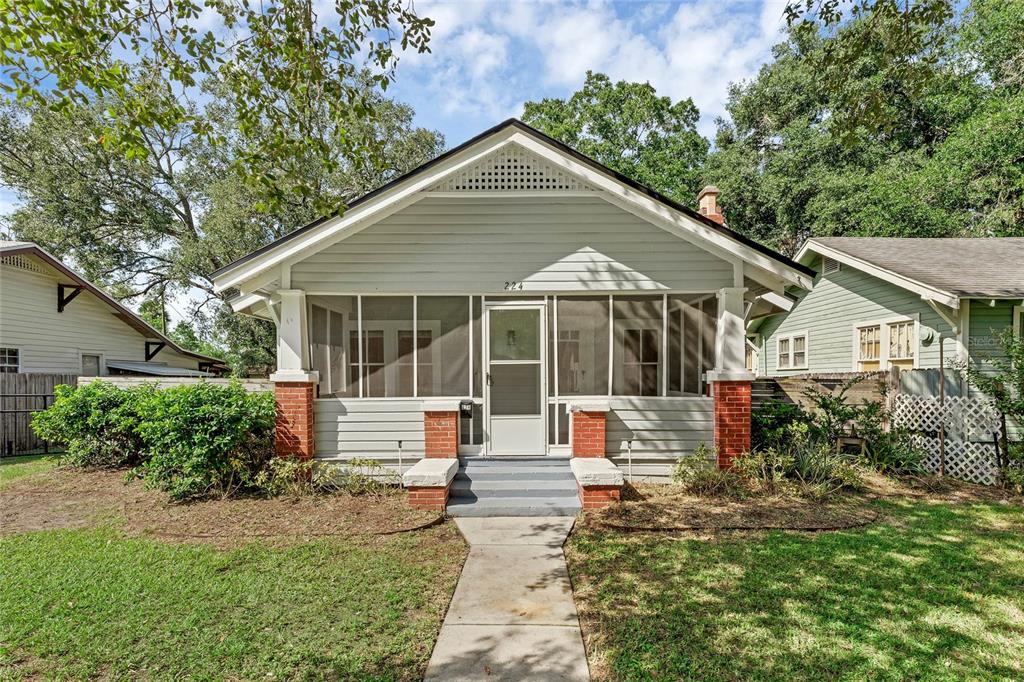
column 515, row 387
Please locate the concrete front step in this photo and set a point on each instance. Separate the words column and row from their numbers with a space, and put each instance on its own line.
column 500, row 487
column 521, row 486
column 511, row 474
column 514, row 506
column 514, row 461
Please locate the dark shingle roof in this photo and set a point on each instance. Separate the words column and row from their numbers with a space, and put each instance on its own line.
column 967, row 268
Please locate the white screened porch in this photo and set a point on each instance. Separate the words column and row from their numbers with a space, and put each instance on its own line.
column 523, row 362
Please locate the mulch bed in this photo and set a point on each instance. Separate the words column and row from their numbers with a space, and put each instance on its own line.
column 72, row 498
column 667, row 508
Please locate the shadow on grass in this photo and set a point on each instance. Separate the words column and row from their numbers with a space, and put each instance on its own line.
column 933, row 591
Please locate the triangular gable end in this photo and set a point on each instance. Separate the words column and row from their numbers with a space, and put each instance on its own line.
column 512, row 168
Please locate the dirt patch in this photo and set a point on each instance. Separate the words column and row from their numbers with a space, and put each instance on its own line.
column 72, row 498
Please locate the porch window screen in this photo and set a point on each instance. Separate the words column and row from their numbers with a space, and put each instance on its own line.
column 443, row 356
column 637, row 345
column 328, row 344
column 386, row 358
column 581, row 347
column 692, row 328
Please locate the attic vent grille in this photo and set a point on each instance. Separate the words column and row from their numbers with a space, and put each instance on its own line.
column 23, row 263
column 512, row 169
column 829, row 266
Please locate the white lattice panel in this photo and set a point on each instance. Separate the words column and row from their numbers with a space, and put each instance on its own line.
column 970, row 424
column 512, row 168
column 974, row 462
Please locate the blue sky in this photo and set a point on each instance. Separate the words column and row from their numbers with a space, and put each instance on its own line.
column 489, row 57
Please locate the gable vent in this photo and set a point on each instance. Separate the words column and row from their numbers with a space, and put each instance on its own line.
column 23, row 263
column 829, row 265
column 512, row 169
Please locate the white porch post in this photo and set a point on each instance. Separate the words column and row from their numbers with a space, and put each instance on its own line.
column 730, row 340
column 293, row 339
column 294, row 383
column 731, row 381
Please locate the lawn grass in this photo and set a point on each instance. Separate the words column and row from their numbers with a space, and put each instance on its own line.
column 933, row 591
column 93, row 602
column 13, row 468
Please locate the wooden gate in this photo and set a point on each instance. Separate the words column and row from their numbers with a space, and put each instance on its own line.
column 21, row 395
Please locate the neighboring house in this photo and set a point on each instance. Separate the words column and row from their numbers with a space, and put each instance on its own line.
column 511, row 298
column 52, row 320
column 882, row 302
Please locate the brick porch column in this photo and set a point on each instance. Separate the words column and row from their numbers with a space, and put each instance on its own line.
column 588, row 427
column 293, row 427
column 732, row 417
column 441, row 429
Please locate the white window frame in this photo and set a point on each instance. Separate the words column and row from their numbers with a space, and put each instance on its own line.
column 390, row 330
column 17, row 367
column 101, row 356
column 805, row 334
column 883, row 333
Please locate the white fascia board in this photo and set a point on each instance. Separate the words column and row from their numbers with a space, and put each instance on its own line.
column 663, row 216
column 779, row 301
column 360, row 217
column 923, row 290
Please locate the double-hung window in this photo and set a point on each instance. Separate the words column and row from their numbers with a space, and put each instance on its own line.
column 884, row 344
column 902, row 343
column 9, row 360
column 869, row 348
column 791, row 351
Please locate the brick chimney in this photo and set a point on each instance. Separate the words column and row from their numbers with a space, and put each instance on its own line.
column 708, row 201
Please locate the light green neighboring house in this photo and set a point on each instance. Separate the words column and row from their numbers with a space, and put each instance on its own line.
column 879, row 302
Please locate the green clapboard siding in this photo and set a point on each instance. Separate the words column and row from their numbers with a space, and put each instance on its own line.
column 987, row 322
column 830, row 311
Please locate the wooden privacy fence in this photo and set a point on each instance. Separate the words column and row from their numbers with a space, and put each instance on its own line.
column 21, row 395
column 971, row 428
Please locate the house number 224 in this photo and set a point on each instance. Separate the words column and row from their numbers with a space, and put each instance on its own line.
column 513, row 286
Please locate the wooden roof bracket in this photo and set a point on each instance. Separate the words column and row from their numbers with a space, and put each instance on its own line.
column 63, row 298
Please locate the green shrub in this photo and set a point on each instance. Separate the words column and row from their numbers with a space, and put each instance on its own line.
column 1014, row 471
column 205, row 438
column 767, row 468
column 894, row 453
column 96, row 422
column 187, row 440
column 305, row 477
column 699, row 475
column 770, row 421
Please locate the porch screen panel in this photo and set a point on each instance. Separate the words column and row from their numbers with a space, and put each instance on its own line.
column 709, row 326
column 581, row 349
column 336, row 359
column 637, row 345
column 387, row 346
column 478, row 348
column 443, row 351
column 675, row 345
column 691, row 321
column 319, row 348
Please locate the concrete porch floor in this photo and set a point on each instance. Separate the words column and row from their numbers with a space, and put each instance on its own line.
column 512, row 616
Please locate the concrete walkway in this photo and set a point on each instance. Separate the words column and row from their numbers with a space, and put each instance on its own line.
column 512, row 616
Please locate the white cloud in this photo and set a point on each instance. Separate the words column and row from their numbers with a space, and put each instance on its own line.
column 489, row 57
